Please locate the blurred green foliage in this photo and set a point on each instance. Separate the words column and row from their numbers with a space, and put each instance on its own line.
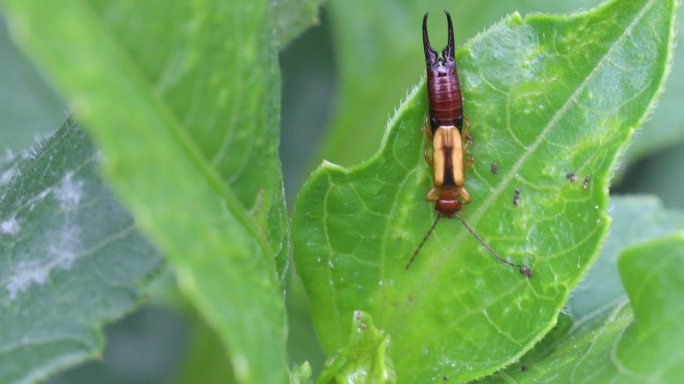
column 28, row 105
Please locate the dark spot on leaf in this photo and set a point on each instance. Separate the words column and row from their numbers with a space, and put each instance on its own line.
column 524, row 368
column 527, row 271
column 585, row 185
column 495, row 169
column 571, row 176
column 516, row 197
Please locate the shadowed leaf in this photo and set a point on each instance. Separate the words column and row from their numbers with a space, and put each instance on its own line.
column 71, row 258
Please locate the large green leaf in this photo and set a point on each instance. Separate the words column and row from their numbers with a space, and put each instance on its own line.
column 183, row 99
column 577, row 85
column 70, row 258
column 635, row 341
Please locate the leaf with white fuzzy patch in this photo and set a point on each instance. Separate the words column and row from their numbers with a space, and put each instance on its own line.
column 70, row 257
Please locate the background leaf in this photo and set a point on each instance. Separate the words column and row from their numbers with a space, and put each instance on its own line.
column 635, row 341
column 666, row 127
column 294, row 16
column 636, row 219
column 355, row 229
column 147, row 346
column 62, row 231
column 28, row 106
column 166, row 119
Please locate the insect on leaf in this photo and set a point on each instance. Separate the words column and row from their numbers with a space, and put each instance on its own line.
column 71, row 258
column 377, row 43
column 545, row 95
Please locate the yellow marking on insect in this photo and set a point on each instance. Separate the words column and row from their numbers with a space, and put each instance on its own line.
column 446, row 142
column 438, row 157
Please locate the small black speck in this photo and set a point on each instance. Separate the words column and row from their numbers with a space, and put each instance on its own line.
column 357, row 315
column 585, row 185
column 495, row 169
column 572, row 177
column 362, row 325
column 516, row 197
column 524, row 368
column 526, row 271
column 445, row 378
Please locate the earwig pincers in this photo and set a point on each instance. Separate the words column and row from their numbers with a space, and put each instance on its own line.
column 447, row 131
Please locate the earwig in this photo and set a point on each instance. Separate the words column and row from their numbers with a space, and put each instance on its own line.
column 445, row 130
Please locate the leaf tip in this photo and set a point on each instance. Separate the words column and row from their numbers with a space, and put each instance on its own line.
column 330, row 165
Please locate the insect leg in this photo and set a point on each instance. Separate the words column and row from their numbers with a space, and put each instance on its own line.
column 466, row 129
column 464, row 194
column 426, row 147
column 470, row 159
column 433, row 194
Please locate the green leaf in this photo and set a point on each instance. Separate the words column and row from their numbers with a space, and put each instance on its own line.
column 183, row 99
column 636, row 219
column 577, row 85
column 379, row 45
column 71, row 258
column 301, row 374
column 292, row 17
column 635, row 342
column 363, row 359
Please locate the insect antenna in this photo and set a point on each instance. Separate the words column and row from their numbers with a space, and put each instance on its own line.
column 427, row 236
column 523, row 269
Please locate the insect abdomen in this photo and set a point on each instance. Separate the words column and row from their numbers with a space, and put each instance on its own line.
column 444, row 95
